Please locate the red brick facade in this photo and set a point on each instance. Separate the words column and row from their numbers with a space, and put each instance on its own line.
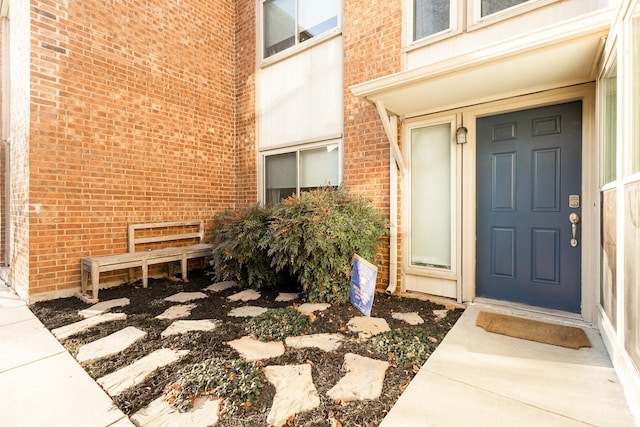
column 369, row 27
column 132, row 120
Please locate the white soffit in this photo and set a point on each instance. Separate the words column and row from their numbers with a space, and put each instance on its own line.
column 563, row 55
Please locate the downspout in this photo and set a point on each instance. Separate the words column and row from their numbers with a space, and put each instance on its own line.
column 390, row 124
column 393, row 224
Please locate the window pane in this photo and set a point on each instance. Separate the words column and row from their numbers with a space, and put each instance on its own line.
column 431, row 196
column 610, row 95
column 280, row 177
column 492, row 6
column 608, row 255
column 430, row 17
column 635, row 73
column 279, row 25
column 316, row 17
column 319, row 167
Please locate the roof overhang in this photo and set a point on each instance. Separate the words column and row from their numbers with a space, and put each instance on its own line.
column 558, row 56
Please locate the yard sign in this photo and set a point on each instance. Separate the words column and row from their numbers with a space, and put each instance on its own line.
column 363, row 284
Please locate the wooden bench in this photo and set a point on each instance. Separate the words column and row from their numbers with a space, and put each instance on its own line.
column 152, row 234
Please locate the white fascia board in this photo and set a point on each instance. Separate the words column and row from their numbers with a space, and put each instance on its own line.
column 591, row 24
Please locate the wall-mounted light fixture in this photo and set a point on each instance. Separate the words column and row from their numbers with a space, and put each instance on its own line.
column 461, row 135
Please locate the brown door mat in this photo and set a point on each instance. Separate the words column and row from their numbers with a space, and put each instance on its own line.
column 533, row 330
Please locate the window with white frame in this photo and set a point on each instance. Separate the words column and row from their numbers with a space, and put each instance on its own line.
column 431, row 17
column 287, row 23
column 481, row 12
column 489, row 7
column 609, row 88
column 432, row 196
column 295, row 171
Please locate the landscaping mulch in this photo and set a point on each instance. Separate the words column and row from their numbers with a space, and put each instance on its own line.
column 326, row 366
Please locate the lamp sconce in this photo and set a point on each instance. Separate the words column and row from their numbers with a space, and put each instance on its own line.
column 461, row 135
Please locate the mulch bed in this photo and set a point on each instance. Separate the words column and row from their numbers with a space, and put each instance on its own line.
column 148, row 303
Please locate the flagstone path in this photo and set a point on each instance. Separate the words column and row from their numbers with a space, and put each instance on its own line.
column 295, row 391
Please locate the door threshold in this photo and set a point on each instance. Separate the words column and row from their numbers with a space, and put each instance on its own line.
column 534, row 312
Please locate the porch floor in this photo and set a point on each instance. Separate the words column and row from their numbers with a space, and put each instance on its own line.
column 483, row 379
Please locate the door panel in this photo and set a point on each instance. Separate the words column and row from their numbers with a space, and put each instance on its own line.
column 529, row 163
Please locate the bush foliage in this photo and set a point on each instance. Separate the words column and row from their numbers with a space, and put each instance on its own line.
column 238, row 254
column 315, row 236
column 311, row 237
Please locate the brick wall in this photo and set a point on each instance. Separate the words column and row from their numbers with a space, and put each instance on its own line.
column 246, row 167
column 132, row 120
column 372, row 35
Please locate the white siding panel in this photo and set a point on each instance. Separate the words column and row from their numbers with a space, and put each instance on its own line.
column 300, row 97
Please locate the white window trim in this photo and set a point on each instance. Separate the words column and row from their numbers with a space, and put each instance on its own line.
column 297, row 47
column 297, row 148
column 408, row 268
column 475, row 21
column 455, row 25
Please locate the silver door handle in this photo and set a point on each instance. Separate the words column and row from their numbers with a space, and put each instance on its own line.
column 574, row 219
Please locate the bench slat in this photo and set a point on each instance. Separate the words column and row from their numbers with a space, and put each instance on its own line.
column 164, row 224
column 166, row 238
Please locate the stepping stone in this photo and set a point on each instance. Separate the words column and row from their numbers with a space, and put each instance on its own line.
column 326, row 342
column 186, row 297
column 366, row 327
column 161, row 413
column 117, row 382
column 411, row 318
column 246, row 295
column 309, row 308
column 183, row 326
column 247, row 311
column 252, row 350
column 363, row 380
column 103, row 307
column 440, row 314
column 295, row 392
column 286, row 297
column 64, row 332
column 110, row 345
column 221, row 286
column 177, row 312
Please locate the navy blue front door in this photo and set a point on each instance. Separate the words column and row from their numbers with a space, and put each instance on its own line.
column 528, row 185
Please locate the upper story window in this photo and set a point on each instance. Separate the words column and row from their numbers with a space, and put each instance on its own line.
column 430, row 17
column 287, row 23
column 489, row 7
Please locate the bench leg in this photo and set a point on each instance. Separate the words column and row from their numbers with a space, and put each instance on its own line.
column 95, row 281
column 84, row 280
column 183, row 267
column 145, row 273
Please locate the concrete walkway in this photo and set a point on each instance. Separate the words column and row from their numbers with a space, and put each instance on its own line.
column 42, row 384
column 483, row 379
column 473, row 378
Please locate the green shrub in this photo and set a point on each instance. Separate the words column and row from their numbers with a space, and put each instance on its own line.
column 237, row 381
column 239, row 254
column 407, row 345
column 278, row 323
column 315, row 236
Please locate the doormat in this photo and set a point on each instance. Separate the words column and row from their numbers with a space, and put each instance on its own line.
column 533, row 330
